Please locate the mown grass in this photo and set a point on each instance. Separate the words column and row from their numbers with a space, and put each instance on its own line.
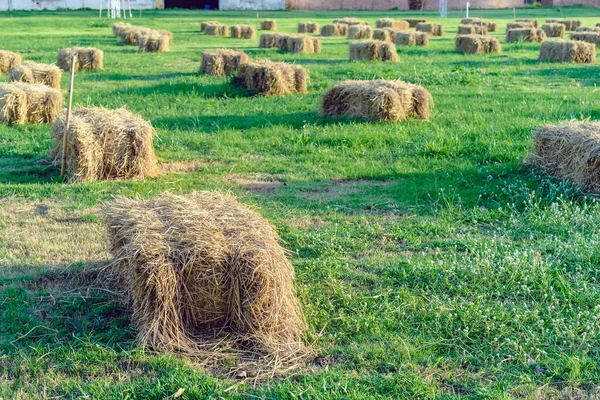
column 430, row 262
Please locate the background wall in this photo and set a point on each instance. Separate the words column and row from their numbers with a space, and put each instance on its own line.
column 399, row 4
column 73, row 4
column 252, row 4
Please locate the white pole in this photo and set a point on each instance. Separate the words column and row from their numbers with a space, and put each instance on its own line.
column 468, row 5
column 130, row 14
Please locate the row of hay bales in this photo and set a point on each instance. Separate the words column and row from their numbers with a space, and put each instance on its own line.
column 215, row 28
column 291, row 43
column 147, row 40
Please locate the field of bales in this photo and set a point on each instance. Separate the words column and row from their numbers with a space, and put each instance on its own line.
column 431, row 260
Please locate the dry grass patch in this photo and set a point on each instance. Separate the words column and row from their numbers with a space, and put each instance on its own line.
column 568, row 51
column 32, row 72
column 256, row 182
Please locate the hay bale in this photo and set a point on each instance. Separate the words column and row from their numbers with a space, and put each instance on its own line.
column 570, row 150
column 589, row 37
column 373, row 50
column 206, row 277
column 413, row 22
column 525, row 35
column 385, row 34
column 268, row 25
column 491, row 26
column 119, row 27
column 268, row 40
column 587, row 29
column 472, row 30
column 105, row 144
column 376, row 100
column 204, row 24
column 471, row 21
column 133, row 35
column 168, row 34
column 8, row 59
column 32, row 72
column 567, row 51
column 282, row 41
column 432, row 29
column 334, row 30
column 477, row 44
column 86, row 58
column 153, row 42
column 360, row 32
column 222, row 62
column 412, row 39
column 519, row 25
column 302, row 44
column 399, row 24
column 23, row 102
column 215, row 29
column 272, row 78
column 570, row 25
column 243, row 32
column 527, row 22
column 554, row 30
column 308, row 27
column 349, row 21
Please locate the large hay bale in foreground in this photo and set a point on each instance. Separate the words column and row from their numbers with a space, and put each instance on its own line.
column 334, row 30
column 86, row 58
column 527, row 22
column 360, row 32
column 570, row 150
column 472, row 30
column 105, row 144
column 554, row 30
column 477, row 44
column 376, row 100
column 8, row 59
column 432, row 29
column 301, row 44
column 268, row 25
column 413, row 22
column 570, row 25
column 308, row 27
column 32, row 72
column 567, row 51
column 222, row 62
column 525, row 35
column 373, row 50
column 242, row 32
column 23, row 102
column 215, row 29
column 153, row 42
column 589, row 37
column 412, row 39
column 206, row 277
column 399, row 24
column 349, row 21
column 272, row 78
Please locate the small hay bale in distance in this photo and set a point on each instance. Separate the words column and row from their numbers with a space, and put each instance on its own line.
column 222, row 62
column 587, row 28
column 373, row 50
column 334, row 30
column 570, row 150
column 589, row 37
column 360, row 32
column 377, row 100
column 432, row 29
column 132, row 36
column 215, row 29
column 525, row 35
column 519, row 25
column 118, row 27
column 573, row 51
column 477, row 44
column 413, row 22
column 8, row 59
column 398, row 24
column 242, row 32
column 268, row 40
column 153, row 42
column 527, row 22
column 302, row 44
column 472, row 30
column 105, row 144
column 204, row 24
column 570, row 24
column 28, row 103
column 385, row 34
column 32, row 72
column 554, row 30
column 308, row 27
column 272, row 78
column 206, row 278
column 349, row 21
column 86, row 58
column 412, row 38
column 268, row 25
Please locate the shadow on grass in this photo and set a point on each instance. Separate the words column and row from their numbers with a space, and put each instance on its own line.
column 38, row 172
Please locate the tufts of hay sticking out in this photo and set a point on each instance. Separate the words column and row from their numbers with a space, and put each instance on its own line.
column 24, row 102
column 570, row 25
column 567, row 51
column 207, row 278
column 399, row 24
column 412, row 39
column 432, row 29
column 334, row 30
column 87, row 58
column 525, row 35
column 31, row 72
column 589, row 37
column 373, row 50
column 527, row 22
column 308, row 27
column 554, row 30
column 377, row 100
column 242, row 32
column 360, row 32
column 105, row 144
column 349, row 21
column 204, row 24
column 570, row 150
column 301, row 44
column 272, row 78
column 477, row 44
column 472, row 30
column 268, row 25
column 215, row 29
column 222, row 62
column 153, row 42
column 412, row 22
column 8, row 60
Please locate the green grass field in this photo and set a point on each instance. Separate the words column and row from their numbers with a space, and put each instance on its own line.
column 430, row 262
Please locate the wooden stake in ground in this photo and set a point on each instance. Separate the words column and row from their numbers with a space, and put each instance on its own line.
column 64, row 153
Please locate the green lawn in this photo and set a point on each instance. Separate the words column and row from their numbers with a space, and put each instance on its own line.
column 430, row 262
